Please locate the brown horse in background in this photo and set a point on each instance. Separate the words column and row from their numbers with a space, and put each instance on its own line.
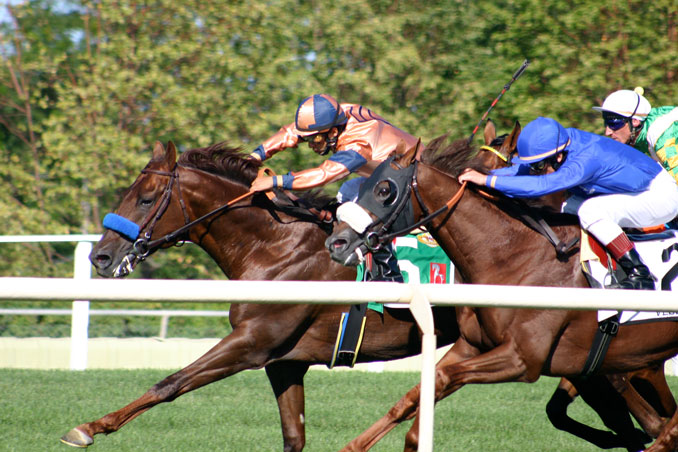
column 252, row 240
column 502, row 345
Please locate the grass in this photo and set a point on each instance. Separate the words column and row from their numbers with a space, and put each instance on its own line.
column 240, row 414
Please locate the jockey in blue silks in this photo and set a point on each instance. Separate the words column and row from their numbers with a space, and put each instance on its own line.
column 612, row 185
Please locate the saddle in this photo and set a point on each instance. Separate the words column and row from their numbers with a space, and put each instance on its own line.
column 655, row 245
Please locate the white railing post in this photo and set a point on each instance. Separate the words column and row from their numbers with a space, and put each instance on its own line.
column 80, row 318
column 423, row 314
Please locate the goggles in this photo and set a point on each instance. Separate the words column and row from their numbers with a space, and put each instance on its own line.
column 538, row 167
column 317, row 138
column 614, row 121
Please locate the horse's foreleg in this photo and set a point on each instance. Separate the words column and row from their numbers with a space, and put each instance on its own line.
column 232, row 354
column 556, row 410
column 605, row 399
column 287, row 381
column 407, row 406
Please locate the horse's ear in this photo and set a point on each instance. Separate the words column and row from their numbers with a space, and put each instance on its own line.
column 490, row 132
column 511, row 142
column 407, row 157
column 171, row 154
column 158, row 151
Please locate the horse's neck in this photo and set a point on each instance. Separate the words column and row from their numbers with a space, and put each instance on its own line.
column 487, row 245
column 247, row 242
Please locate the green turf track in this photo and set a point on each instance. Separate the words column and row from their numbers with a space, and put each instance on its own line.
column 240, row 414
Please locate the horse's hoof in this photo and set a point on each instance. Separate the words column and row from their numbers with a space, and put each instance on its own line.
column 77, row 438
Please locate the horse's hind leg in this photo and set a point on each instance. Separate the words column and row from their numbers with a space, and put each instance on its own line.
column 287, row 381
column 648, row 397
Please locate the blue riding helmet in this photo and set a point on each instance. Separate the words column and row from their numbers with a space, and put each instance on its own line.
column 318, row 113
column 541, row 139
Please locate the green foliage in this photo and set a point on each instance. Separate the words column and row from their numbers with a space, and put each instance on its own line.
column 87, row 87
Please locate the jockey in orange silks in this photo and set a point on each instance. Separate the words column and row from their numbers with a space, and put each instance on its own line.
column 358, row 139
column 355, row 135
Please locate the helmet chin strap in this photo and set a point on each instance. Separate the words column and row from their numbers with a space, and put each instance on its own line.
column 634, row 130
column 331, row 142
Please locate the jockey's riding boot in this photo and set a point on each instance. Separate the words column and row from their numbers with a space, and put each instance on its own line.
column 386, row 265
column 638, row 276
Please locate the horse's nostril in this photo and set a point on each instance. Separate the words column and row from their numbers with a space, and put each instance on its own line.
column 339, row 244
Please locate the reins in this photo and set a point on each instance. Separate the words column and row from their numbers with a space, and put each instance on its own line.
column 174, row 235
column 143, row 245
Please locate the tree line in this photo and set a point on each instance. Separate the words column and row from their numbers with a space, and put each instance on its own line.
column 87, row 86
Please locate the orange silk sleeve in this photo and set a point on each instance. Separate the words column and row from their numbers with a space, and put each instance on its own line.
column 328, row 171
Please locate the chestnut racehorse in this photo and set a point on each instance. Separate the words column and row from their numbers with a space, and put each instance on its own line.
column 250, row 241
column 645, row 391
column 490, row 246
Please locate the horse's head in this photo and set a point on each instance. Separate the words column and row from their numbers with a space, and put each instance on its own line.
column 384, row 203
column 146, row 211
column 498, row 150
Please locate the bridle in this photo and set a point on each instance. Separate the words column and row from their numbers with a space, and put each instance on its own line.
column 143, row 246
column 374, row 240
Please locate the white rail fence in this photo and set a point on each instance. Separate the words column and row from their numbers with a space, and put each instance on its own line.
column 419, row 298
column 164, row 314
column 80, row 311
column 82, row 270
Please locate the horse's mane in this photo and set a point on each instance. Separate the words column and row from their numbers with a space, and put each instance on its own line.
column 234, row 164
column 222, row 160
column 452, row 157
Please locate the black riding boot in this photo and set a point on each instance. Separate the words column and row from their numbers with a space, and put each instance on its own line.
column 638, row 276
column 385, row 265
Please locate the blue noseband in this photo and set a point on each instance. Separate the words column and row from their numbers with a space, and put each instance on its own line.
column 122, row 226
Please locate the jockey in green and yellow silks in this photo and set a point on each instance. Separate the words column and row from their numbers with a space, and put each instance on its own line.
column 630, row 119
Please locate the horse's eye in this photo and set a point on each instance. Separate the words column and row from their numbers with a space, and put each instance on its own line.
column 386, row 192
column 145, row 202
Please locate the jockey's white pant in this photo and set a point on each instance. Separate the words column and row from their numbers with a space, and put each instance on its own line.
column 604, row 216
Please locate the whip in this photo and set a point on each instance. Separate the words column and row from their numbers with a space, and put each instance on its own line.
column 518, row 73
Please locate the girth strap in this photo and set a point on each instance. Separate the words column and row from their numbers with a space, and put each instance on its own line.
column 607, row 330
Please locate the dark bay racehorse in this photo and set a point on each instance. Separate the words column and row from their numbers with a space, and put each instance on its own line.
column 252, row 241
column 490, row 246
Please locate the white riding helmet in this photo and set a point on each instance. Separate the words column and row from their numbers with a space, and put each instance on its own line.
column 627, row 103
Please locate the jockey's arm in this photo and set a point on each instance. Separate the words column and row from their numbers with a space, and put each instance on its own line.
column 336, row 167
column 285, row 138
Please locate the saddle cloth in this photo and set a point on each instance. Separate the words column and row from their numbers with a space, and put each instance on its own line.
column 660, row 254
